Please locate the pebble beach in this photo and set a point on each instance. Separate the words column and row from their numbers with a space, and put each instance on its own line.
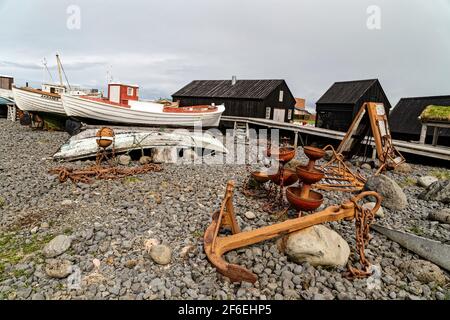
column 110, row 225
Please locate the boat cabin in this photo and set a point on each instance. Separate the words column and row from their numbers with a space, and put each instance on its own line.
column 122, row 93
column 6, row 82
column 53, row 88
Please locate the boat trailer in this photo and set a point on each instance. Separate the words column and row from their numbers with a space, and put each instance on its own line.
column 216, row 246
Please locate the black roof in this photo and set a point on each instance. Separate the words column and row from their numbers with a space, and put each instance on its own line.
column 404, row 117
column 247, row 89
column 346, row 92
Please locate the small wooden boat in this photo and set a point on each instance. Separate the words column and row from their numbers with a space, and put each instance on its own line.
column 48, row 98
column 123, row 107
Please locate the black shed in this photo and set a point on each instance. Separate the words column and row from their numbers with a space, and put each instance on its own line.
column 340, row 104
column 268, row 99
column 404, row 121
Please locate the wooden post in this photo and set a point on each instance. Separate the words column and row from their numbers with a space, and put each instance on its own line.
column 423, row 133
column 435, row 136
column 374, row 153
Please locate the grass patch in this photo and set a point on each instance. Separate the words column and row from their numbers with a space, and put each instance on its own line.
column 408, row 182
column 2, row 202
column 441, row 174
column 132, row 180
column 447, row 295
column 197, row 234
column 436, row 113
column 14, row 249
column 416, row 230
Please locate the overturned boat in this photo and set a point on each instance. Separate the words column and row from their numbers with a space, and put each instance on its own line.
column 124, row 107
column 84, row 145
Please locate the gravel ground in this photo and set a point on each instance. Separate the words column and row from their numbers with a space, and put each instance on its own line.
column 111, row 220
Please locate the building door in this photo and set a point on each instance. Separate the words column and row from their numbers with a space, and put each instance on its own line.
column 278, row 115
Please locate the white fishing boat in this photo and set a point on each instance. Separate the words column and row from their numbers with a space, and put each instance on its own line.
column 123, row 106
column 47, row 99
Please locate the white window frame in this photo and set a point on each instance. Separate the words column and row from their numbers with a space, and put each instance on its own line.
column 289, row 114
column 268, row 112
column 281, row 96
column 130, row 89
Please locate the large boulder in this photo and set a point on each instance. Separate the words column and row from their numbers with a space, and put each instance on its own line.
column 426, row 181
column 165, row 155
column 317, row 245
column 393, row 196
column 58, row 269
column 442, row 216
column 403, row 168
column 57, row 246
column 437, row 191
column 424, row 271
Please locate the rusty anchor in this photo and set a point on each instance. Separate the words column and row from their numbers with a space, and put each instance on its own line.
column 216, row 246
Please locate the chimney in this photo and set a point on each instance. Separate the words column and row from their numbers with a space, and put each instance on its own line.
column 233, row 80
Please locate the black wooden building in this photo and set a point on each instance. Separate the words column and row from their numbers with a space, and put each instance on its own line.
column 342, row 101
column 404, row 121
column 268, row 99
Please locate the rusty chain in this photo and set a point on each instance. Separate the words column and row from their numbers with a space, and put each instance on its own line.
column 363, row 219
column 101, row 173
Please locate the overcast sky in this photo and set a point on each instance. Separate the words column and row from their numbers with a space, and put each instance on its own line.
column 163, row 45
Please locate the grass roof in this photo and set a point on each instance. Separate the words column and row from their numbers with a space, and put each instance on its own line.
column 435, row 113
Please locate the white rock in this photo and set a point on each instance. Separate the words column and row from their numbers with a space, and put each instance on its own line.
column 57, row 246
column 148, row 244
column 426, row 181
column 371, row 205
column 165, row 155
column 34, row 230
column 124, row 160
column 58, row 269
column 44, row 225
column 189, row 155
column 366, row 166
column 317, row 245
column 250, row 215
column 145, row 160
column 185, row 251
column 161, row 254
column 66, row 202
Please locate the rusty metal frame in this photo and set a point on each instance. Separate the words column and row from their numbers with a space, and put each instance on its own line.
column 388, row 155
column 338, row 176
column 216, row 246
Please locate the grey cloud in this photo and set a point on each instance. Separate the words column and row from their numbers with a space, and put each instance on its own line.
column 162, row 45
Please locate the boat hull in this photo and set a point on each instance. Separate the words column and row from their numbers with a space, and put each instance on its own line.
column 7, row 94
column 79, row 107
column 84, row 145
column 37, row 102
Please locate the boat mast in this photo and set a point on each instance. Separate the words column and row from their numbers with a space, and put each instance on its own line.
column 59, row 69
column 44, row 62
